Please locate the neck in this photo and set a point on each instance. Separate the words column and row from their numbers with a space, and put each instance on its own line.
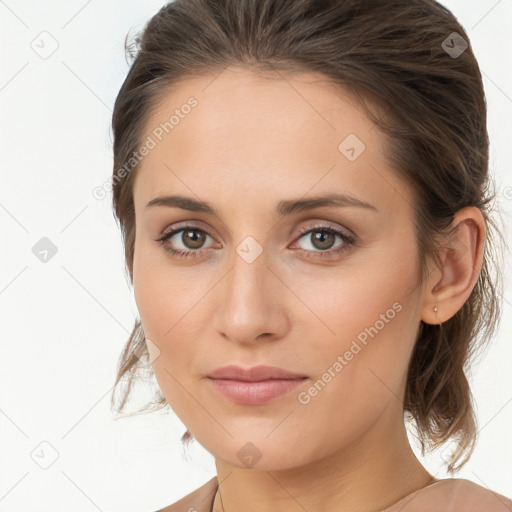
column 371, row 474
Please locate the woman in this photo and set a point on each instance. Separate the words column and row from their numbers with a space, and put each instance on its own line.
column 303, row 196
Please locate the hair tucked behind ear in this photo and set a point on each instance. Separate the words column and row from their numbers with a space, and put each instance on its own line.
column 394, row 58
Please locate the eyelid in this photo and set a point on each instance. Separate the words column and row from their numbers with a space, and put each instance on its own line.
column 315, row 224
column 321, row 224
column 347, row 237
column 168, row 233
column 194, row 223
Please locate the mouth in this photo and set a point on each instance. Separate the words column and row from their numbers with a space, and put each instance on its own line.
column 255, row 393
column 254, row 373
column 254, row 386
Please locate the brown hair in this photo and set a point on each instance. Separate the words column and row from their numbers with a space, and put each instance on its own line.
column 394, row 57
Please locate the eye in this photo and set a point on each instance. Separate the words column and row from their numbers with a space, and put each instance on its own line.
column 321, row 239
column 191, row 239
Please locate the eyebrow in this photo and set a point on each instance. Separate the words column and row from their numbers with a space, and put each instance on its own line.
column 284, row 207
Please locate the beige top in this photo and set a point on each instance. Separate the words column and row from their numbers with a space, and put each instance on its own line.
column 443, row 495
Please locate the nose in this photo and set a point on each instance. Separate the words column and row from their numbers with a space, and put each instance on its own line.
column 252, row 302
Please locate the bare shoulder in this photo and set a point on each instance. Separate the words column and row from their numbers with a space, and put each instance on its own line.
column 479, row 497
column 453, row 495
column 446, row 495
column 200, row 500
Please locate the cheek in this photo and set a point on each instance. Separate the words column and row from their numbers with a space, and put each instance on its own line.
column 368, row 324
column 166, row 312
column 358, row 374
column 161, row 298
column 349, row 303
column 169, row 301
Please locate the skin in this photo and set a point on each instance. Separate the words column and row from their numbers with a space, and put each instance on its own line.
column 251, row 142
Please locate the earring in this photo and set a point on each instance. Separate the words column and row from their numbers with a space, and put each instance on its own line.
column 435, row 309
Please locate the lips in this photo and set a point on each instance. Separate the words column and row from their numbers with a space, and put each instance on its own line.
column 254, row 386
column 254, row 374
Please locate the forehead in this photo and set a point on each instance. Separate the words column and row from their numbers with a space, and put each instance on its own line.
column 270, row 137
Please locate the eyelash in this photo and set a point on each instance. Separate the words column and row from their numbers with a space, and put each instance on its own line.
column 348, row 241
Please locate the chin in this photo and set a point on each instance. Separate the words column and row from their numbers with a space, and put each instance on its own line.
column 258, row 450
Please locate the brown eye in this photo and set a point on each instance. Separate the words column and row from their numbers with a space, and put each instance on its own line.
column 322, row 239
column 186, row 241
column 192, row 239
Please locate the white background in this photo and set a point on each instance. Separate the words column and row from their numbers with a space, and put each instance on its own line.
column 64, row 322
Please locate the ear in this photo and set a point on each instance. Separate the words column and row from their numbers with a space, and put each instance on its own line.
column 449, row 286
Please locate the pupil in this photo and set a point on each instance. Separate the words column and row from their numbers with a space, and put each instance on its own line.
column 321, row 236
column 322, row 239
column 196, row 241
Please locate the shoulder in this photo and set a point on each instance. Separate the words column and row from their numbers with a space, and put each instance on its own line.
column 453, row 495
column 200, row 500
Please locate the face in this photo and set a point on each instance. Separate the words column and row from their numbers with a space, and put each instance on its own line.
column 325, row 291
